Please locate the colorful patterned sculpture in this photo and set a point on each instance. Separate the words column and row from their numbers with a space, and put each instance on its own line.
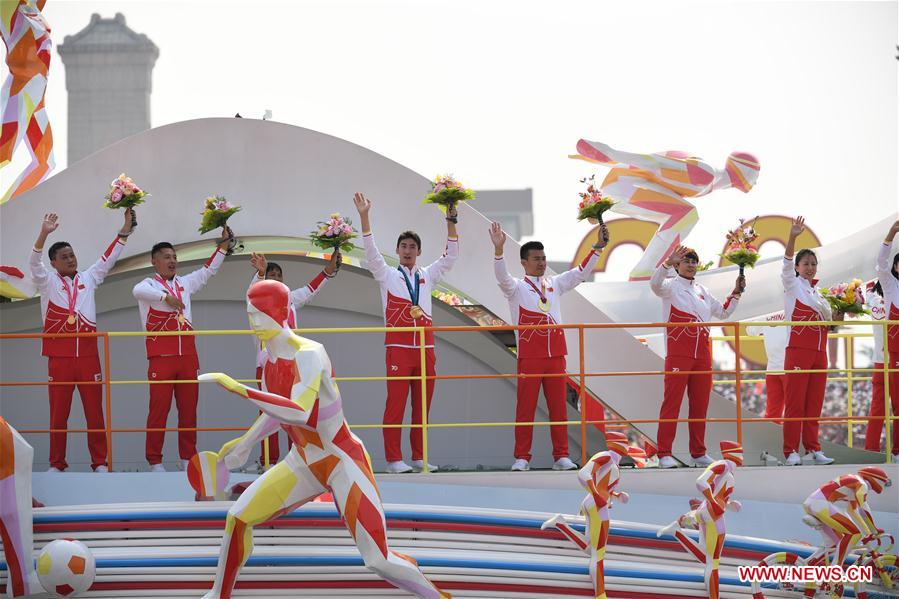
column 14, row 283
column 599, row 477
column 839, row 508
column 28, row 46
column 300, row 394
column 15, row 513
column 654, row 187
column 716, row 484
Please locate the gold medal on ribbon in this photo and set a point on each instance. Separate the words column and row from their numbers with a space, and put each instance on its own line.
column 181, row 318
column 71, row 319
column 543, row 305
column 416, row 312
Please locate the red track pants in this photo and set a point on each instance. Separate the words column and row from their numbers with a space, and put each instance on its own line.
column 775, row 385
column 406, row 361
column 168, row 368
column 82, row 369
column 803, row 398
column 698, row 388
column 875, row 427
column 528, row 392
column 274, row 451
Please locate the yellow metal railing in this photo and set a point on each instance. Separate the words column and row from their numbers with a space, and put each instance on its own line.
column 581, row 376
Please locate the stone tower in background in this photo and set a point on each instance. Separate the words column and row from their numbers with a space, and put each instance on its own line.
column 109, row 80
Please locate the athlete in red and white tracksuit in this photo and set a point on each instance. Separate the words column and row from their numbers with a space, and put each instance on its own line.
column 806, row 350
column 68, row 306
column 537, row 300
column 875, row 427
column 298, row 298
column 890, row 286
column 164, row 302
column 403, row 348
column 688, row 348
column 775, row 348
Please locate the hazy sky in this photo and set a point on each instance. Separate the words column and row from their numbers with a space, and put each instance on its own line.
column 498, row 92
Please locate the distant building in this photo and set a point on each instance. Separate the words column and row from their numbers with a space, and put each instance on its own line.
column 513, row 208
column 109, row 80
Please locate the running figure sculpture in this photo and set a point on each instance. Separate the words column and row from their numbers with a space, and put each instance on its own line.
column 300, row 394
column 716, row 484
column 599, row 477
column 654, row 187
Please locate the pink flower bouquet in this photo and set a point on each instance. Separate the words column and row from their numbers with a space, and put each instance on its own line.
column 123, row 193
column 593, row 203
column 740, row 249
column 216, row 213
column 447, row 192
column 335, row 233
column 847, row 298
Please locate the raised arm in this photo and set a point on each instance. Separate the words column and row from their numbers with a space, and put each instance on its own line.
column 196, row 280
column 99, row 269
column 39, row 273
column 570, row 279
column 884, row 267
column 660, row 282
column 374, row 261
column 506, row 282
column 723, row 311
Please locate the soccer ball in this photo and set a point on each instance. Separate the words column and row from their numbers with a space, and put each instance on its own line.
column 66, row 567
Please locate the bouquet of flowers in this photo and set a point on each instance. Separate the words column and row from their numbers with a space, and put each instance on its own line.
column 593, row 203
column 216, row 213
column 448, row 192
column 334, row 233
column 740, row 250
column 847, row 298
column 123, row 193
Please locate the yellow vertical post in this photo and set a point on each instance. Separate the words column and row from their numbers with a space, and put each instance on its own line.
column 423, row 363
column 582, row 398
column 738, row 386
column 850, row 356
column 887, row 414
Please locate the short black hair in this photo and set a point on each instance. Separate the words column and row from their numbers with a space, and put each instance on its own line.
column 893, row 270
column 803, row 253
column 692, row 255
column 409, row 235
column 531, row 245
column 273, row 266
column 162, row 245
column 56, row 247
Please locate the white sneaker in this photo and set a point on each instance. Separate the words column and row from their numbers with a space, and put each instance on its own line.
column 818, row 457
column 793, row 459
column 157, row 468
column 419, row 466
column 770, row 460
column 703, row 461
column 521, row 466
column 101, row 469
column 667, row 462
column 667, row 530
column 652, row 462
column 53, row 469
column 564, row 464
column 399, row 467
